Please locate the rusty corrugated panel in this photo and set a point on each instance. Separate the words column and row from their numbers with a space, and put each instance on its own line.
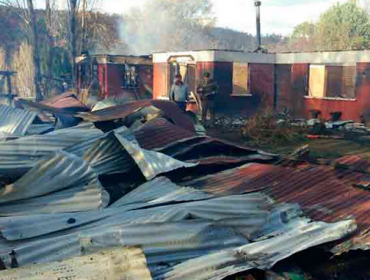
column 207, row 147
column 354, row 162
column 324, row 193
column 159, row 133
column 117, row 264
column 15, row 121
column 169, row 109
column 67, row 101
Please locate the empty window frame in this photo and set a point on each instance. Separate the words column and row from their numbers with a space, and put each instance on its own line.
column 332, row 81
column 317, row 81
column 241, row 79
column 130, row 79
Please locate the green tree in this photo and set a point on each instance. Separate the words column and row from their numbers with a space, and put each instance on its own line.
column 304, row 30
column 344, row 27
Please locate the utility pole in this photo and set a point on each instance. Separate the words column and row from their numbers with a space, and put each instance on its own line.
column 257, row 4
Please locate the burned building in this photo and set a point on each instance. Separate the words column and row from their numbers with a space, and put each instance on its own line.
column 305, row 84
column 117, row 76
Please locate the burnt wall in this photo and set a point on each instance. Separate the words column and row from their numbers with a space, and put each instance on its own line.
column 115, row 76
column 261, row 84
column 145, row 73
column 351, row 110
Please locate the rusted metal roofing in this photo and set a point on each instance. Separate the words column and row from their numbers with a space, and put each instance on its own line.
column 159, row 133
column 15, row 121
column 170, row 110
column 354, row 162
column 119, row 263
column 325, row 193
column 67, row 101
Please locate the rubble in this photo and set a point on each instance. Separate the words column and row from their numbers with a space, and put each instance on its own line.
column 133, row 191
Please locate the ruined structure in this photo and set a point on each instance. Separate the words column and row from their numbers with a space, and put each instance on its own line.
column 307, row 84
column 116, row 75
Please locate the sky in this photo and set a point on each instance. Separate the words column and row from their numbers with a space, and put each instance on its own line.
column 277, row 16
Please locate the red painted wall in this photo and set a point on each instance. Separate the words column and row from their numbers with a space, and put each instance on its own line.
column 351, row 110
column 262, row 82
column 291, row 90
column 159, row 80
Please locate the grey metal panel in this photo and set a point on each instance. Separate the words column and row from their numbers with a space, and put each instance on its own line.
column 37, row 129
column 161, row 190
column 19, row 156
column 152, row 163
column 15, row 121
column 4, row 137
column 251, row 206
column 107, row 156
column 117, row 264
column 76, row 199
column 165, row 242
column 55, row 172
column 261, row 255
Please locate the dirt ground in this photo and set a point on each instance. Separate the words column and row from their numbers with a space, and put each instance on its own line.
column 320, row 148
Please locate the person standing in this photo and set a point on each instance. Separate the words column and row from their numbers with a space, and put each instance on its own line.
column 207, row 91
column 179, row 93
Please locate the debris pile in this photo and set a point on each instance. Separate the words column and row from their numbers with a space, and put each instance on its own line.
column 132, row 192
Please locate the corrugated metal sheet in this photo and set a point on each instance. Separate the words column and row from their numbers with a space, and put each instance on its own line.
column 54, row 173
column 19, row 156
column 117, row 264
column 200, row 244
column 37, row 129
column 324, row 193
column 161, row 190
column 157, row 192
column 253, row 208
column 166, row 243
column 107, row 156
column 76, row 199
column 206, row 147
column 16, row 228
column 159, row 133
column 169, row 109
column 259, row 255
column 4, row 137
column 59, row 183
column 106, row 103
column 151, row 163
column 15, row 121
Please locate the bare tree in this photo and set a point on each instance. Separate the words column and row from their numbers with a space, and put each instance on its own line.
column 27, row 12
column 36, row 49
